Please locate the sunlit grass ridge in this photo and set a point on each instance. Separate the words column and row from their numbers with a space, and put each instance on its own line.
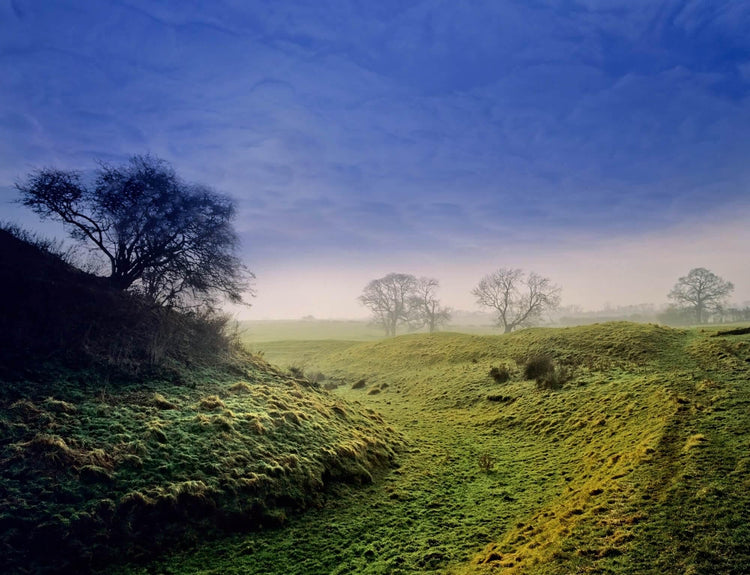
column 97, row 472
column 638, row 464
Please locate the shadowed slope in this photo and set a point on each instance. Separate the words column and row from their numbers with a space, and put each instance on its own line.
column 95, row 472
column 127, row 429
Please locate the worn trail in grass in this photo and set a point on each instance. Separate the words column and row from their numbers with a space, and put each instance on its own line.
column 438, row 508
column 637, row 464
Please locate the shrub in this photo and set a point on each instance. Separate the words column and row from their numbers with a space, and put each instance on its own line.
column 359, row 385
column 553, row 379
column 297, row 371
column 547, row 375
column 500, row 374
column 538, row 366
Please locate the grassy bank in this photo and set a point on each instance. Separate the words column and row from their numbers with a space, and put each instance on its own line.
column 631, row 458
column 96, row 471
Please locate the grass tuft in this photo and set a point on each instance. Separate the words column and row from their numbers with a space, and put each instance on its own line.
column 211, row 403
column 696, row 440
column 486, row 462
column 500, row 374
column 240, row 387
column 161, row 402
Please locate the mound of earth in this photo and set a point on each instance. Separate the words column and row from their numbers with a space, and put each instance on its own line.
column 90, row 472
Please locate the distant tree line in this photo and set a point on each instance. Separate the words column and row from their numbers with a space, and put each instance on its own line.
column 174, row 243
column 517, row 299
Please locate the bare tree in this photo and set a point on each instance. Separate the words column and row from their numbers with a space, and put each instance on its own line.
column 518, row 300
column 160, row 235
column 388, row 299
column 702, row 292
column 424, row 307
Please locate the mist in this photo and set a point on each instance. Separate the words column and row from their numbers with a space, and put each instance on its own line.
column 594, row 273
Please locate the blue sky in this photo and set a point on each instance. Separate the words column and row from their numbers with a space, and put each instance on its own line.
column 602, row 143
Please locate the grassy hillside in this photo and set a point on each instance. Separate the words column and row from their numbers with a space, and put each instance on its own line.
column 631, row 457
column 128, row 429
column 93, row 472
column 296, row 343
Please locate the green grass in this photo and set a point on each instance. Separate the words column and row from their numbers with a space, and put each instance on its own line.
column 295, row 343
column 298, row 353
column 92, row 471
column 255, row 331
column 638, row 464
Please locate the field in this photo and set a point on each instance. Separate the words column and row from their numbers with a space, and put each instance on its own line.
column 629, row 452
column 301, row 343
column 259, row 331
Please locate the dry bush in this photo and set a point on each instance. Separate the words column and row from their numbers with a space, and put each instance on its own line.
column 296, row 371
column 554, row 379
column 538, row 366
column 546, row 373
column 500, row 374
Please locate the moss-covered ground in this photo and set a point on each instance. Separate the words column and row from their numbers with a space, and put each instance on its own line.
column 639, row 463
column 94, row 471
